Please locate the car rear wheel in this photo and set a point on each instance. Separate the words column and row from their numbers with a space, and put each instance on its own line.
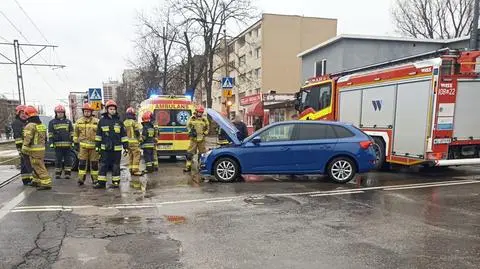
column 226, row 170
column 380, row 159
column 341, row 170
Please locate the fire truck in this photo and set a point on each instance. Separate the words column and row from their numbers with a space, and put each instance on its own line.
column 419, row 110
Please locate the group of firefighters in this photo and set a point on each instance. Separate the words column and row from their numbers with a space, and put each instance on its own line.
column 99, row 143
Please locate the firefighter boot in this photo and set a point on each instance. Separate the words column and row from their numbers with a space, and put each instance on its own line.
column 81, row 180
column 100, row 185
column 58, row 173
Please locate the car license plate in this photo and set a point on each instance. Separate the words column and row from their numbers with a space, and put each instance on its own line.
column 164, row 147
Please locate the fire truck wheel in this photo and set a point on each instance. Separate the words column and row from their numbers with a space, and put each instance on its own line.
column 379, row 148
column 226, row 170
column 341, row 169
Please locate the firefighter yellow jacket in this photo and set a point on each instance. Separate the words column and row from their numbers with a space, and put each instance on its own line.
column 85, row 131
column 133, row 129
column 198, row 128
column 34, row 138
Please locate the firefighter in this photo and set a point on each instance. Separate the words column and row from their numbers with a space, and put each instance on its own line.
column 34, row 138
column 198, row 130
column 133, row 129
column 60, row 133
column 148, row 141
column 84, row 139
column 155, row 149
column 111, row 137
column 17, row 126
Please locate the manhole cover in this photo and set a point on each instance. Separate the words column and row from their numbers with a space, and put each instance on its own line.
column 262, row 200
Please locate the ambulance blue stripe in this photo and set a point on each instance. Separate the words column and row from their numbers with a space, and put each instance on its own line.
column 172, row 130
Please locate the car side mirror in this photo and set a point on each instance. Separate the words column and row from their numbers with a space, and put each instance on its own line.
column 256, row 140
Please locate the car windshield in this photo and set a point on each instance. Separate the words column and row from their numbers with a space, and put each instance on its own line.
column 317, row 97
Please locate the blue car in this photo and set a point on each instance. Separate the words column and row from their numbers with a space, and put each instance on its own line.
column 291, row 148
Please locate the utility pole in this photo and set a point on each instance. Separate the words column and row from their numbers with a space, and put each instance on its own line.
column 227, row 101
column 474, row 34
column 18, row 63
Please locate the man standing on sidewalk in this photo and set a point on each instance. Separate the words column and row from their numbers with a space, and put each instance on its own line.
column 17, row 126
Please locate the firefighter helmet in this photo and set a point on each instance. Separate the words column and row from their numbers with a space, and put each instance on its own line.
column 131, row 110
column 31, row 111
column 87, row 106
column 147, row 116
column 19, row 109
column 59, row 108
column 199, row 109
column 110, row 103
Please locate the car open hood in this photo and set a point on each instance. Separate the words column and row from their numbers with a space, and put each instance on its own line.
column 225, row 124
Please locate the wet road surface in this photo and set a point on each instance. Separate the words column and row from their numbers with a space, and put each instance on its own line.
column 407, row 218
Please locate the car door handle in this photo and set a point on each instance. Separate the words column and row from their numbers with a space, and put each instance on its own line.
column 285, row 149
column 325, row 147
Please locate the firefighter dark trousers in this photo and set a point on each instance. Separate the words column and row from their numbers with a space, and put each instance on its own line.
column 109, row 159
column 25, row 169
column 84, row 156
column 64, row 161
column 42, row 178
column 148, row 156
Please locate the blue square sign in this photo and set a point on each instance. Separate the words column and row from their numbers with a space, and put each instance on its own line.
column 227, row 82
column 95, row 94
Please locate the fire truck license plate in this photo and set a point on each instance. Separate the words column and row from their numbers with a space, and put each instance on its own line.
column 442, row 141
column 164, row 146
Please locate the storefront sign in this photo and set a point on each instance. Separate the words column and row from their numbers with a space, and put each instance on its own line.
column 278, row 97
column 248, row 100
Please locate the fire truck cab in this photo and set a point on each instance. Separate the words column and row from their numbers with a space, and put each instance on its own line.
column 418, row 110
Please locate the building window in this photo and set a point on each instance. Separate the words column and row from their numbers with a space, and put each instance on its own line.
column 320, row 68
column 258, row 52
column 250, row 53
column 241, row 60
column 258, row 72
column 257, row 90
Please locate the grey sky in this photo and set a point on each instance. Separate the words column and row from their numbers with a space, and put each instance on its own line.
column 95, row 37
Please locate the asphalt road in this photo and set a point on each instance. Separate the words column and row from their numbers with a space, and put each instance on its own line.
column 406, row 218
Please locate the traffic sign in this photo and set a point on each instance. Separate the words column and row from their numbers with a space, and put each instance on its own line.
column 96, row 105
column 227, row 93
column 227, row 82
column 94, row 94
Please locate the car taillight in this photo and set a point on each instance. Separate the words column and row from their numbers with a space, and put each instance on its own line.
column 365, row 144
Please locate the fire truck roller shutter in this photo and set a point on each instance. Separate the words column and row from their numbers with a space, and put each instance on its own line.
column 378, row 106
column 467, row 109
column 411, row 118
column 350, row 106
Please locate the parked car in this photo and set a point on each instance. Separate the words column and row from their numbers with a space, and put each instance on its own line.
column 50, row 152
column 339, row 150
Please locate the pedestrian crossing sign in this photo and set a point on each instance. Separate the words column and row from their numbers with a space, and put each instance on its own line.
column 227, row 82
column 96, row 105
column 95, row 94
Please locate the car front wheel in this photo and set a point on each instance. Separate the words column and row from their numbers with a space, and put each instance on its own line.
column 341, row 170
column 226, row 170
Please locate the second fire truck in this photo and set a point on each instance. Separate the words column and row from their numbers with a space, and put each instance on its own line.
column 421, row 110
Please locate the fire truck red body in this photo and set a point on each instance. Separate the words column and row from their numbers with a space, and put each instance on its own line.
column 419, row 110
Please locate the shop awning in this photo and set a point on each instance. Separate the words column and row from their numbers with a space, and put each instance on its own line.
column 255, row 109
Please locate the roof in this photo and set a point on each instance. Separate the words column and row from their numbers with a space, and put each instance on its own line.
column 383, row 38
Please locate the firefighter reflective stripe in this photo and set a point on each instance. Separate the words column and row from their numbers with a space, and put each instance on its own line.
column 33, row 148
column 18, row 141
column 105, row 128
column 115, row 178
column 102, row 178
column 94, row 173
column 98, row 138
column 116, row 148
column 61, row 126
column 124, row 139
column 148, row 145
column 63, row 144
column 87, row 145
column 151, row 132
column 50, row 135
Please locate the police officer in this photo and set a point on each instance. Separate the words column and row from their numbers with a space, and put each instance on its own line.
column 84, row 138
column 60, row 133
column 34, row 138
column 198, row 130
column 133, row 129
column 111, row 137
column 17, row 125
column 148, row 141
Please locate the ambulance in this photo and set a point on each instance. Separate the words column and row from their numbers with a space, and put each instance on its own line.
column 171, row 114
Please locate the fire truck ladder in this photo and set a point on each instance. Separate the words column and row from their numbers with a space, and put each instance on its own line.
column 408, row 59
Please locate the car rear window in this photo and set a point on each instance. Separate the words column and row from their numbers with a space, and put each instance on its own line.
column 342, row 132
column 315, row 131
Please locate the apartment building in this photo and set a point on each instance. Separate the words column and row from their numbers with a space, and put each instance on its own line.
column 263, row 59
column 110, row 89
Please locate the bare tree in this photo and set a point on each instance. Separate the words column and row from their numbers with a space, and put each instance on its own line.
column 211, row 17
column 433, row 18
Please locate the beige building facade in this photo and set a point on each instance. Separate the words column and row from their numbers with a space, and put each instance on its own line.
column 263, row 60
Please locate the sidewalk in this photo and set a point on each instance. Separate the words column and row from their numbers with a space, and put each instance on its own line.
column 3, row 140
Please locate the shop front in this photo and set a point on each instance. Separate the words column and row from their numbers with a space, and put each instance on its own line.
column 253, row 113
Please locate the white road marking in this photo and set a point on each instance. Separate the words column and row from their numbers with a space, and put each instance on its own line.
column 22, row 195
column 14, row 202
column 335, row 193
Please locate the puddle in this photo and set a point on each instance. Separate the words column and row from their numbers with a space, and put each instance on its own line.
column 124, row 220
column 262, row 200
